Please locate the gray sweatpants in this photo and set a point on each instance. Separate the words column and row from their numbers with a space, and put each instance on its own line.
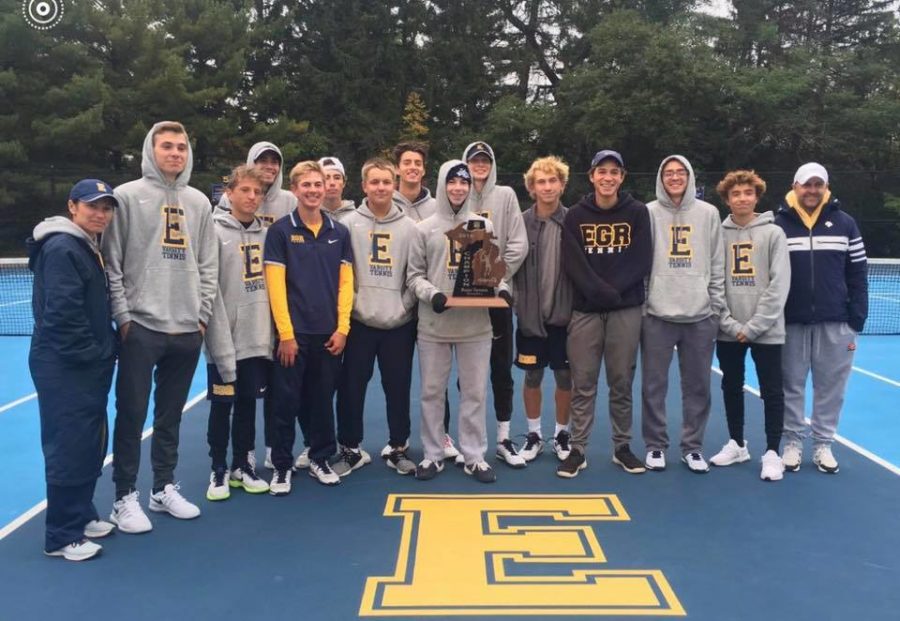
column 823, row 349
column 594, row 338
column 472, row 364
column 695, row 342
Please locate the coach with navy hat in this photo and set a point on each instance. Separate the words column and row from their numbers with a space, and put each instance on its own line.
column 73, row 352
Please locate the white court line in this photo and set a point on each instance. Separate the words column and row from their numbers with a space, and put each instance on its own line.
column 14, row 303
column 878, row 377
column 853, row 446
column 13, row 404
column 36, row 509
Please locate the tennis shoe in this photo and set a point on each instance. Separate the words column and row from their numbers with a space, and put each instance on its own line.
column 281, row 483
column 350, row 459
column 320, row 470
column 561, row 445
column 533, row 446
column 696, row 463
column 218, row 485
column 302, row 461
column 128, row 516
column 77, row 551
column 624, row 458
column 824, row 460
column 247, row 478
column 507, row 451
column 427, row 469
column 398, row 460
column 450, row 450
column 571, row 465
column 731, row 453
column 772, row 467
column 481, row 471
column 97, row 529
column 170, row 501
column 792, row 456
column 655, row 460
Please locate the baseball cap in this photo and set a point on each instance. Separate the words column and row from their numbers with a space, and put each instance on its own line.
column 607, row 154
column 90, row 190
column 478, row 148
column 810, row 170
column 332, row 163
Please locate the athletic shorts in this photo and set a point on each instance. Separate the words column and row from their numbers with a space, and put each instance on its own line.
column 537, row 352
column 252, row 377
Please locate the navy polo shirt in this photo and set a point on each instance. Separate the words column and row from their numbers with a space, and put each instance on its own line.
column 313, row 266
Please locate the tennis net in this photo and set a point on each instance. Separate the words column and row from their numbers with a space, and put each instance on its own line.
column 16, row 318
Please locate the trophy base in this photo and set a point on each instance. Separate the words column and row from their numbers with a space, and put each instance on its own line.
column 455, row 301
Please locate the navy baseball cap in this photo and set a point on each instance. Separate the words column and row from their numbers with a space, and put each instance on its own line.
column 607, row 154
column 90, row 190
column 478, row 148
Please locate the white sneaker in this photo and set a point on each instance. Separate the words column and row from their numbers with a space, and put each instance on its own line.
column 731, row 453
column 792, row 456
column 561, row 445
column 78, row 551
column 248, row 479
column 656, row 460
column 128, row 515
column 218, row 486
column 268, row 462
column 172, row 502
column 388, row 449
column 450, row 451
column 696, row 463
column 507, row 451
column 824, row 460
column 97, row 529
column 321, row 471
column 281, row 483
column 302, row 461
column 772, row 467
column 534, row 444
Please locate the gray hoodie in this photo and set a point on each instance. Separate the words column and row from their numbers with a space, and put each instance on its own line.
column 278, row 202
column 687, row 280
column 418, row 209
column 62, row 224
column 338, row 215
column 757, row 281
column 430, row 272
column 498, row 203
column 241, row 324
column 380, row 254
column 161, row 254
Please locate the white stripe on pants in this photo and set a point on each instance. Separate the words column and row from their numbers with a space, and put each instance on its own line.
column 823, row 349
column 473, row 364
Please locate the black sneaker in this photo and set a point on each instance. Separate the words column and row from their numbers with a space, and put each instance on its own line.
column 571, row 465
column 625, row 458
column 481, row 471
column 350, row 459
column 427, row 469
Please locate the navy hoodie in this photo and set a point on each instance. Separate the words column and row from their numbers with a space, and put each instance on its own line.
column 607, row 253
column 828, row 267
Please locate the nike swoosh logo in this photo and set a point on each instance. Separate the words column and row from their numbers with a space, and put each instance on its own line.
column 332, row 241
column 143, row 200
column 225, row 243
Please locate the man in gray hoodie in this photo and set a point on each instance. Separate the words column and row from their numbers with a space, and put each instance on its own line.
column 498, row 203
column 757, row 281
column 276, row 204
column 431, row 274
column 381, row 323
column 685, row 298
column 411, row 195
column 162, row 261
column 335, row 205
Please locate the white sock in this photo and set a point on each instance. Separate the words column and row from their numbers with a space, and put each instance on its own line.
column 534, row 426
column 560, row 428
column 502, row 431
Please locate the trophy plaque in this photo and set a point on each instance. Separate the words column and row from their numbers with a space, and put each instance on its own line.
column 480, row 267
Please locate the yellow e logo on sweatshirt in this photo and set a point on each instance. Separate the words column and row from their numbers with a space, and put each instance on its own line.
column 510, row 554
column 680, row 240
column 173, row 226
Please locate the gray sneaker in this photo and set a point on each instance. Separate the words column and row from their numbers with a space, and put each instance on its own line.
column 349, row 460
column 398, row 460
column 482, row 472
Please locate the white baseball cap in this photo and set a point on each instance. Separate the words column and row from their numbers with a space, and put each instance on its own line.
column 809, row 171
column 332, row 163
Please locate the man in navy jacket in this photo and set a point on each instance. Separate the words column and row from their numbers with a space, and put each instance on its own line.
column 826, row 308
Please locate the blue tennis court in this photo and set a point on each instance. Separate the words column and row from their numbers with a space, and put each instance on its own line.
column 603, row 545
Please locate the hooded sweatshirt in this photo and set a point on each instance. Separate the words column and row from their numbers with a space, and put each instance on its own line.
column 757, row 280
column 498, row 203
column 346, row 208
column 72, row 323
column 241, row 325
column 161, row 253
column 278, row 202
column 418, row 209
column 607, row 253
column 543, row 291
column 380, row 255
column 687, row 281
column 432, row 269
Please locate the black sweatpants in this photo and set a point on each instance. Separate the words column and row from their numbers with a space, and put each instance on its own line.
column 305, row 393
column 393, row 349
column 69, row 509
column 170, row 360
column 767, row 359
column 236, row 418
